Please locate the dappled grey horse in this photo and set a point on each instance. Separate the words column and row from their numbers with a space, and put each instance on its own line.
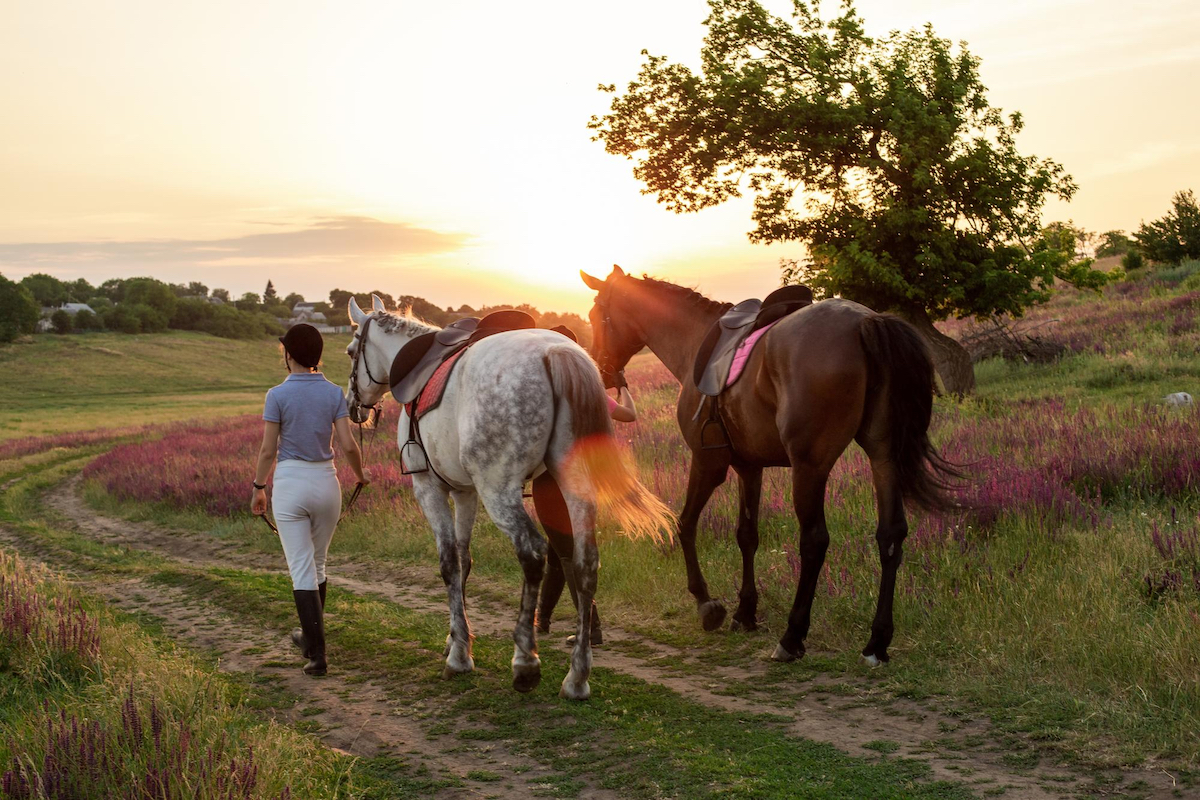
column 516, row 404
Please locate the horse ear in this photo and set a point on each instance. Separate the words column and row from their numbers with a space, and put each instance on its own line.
column 592, row 283
column 617, row 272
column 357, row 315
column 377, row 303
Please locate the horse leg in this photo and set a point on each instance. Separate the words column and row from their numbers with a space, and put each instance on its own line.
column 556, row 522
column 507, row 510
column 584, row 567
column 889, row 536
column 750, row 481
column 466, row 505
column 707, row 473
column 808, row 496
column 434, row 502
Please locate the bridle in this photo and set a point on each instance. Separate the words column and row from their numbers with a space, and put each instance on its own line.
column 604, row 358
column 360, row 336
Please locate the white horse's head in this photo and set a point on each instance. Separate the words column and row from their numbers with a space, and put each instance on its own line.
column 378, row 336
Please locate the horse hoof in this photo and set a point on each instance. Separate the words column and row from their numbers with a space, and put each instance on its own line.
column 451, row 670
column 712, row 614
column 871, row 660
column 570, row 691
column 526, row 679
column 782, row 655
column 740, row 625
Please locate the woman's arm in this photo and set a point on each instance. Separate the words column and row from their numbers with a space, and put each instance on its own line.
column 625, row 410
column 266, row 460
column 349, row 447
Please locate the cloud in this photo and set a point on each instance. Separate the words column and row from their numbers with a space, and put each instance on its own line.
column 330, row 240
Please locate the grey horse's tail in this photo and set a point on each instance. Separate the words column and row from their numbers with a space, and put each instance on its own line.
column 595, row 461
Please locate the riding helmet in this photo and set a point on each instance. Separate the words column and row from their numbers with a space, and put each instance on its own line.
column 304, row 344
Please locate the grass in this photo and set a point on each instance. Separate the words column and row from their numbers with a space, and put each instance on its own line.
column 633, row 738
column 108, row 380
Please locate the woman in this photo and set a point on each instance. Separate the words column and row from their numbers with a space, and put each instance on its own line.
column 302, row 414
column 556, row 520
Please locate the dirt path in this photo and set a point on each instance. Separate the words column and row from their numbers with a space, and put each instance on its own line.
column 366, row 724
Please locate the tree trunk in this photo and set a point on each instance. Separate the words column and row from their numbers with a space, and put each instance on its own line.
column 950, row 359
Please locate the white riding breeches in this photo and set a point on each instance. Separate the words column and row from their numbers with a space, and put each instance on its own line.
column 308, row 502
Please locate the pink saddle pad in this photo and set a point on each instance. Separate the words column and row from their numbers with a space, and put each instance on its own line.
column 743, row 353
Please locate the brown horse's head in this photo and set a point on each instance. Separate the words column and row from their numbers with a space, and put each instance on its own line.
column 615, row 338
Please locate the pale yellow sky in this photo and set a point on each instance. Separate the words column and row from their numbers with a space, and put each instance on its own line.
column 442, row 150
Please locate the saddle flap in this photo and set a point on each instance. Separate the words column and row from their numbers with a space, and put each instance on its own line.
column 455, row 332
column 740, row 315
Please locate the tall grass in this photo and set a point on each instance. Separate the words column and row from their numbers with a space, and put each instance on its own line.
column 93, row 709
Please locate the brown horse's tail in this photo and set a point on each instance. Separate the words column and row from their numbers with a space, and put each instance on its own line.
column 595, row 464
column 901, row 374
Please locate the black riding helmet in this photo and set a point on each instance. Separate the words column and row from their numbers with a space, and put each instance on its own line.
column 304, row 344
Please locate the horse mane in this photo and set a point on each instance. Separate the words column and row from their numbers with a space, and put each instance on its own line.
column 403, row 322
column 689, row 296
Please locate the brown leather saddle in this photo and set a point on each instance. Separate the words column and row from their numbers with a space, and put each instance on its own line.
column 416, row 362
column 715, row 357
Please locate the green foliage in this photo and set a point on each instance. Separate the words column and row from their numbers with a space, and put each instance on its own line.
column 292, row 299
column 151, row 319
column 247, row 302
column 153, row 293
column 99, row 303
column 122, row 318
column 61, row 321
column 18, row 310
column 86, row 321
column 269, row 292
column 47, row 290
column 1113, row 243
column 918, row 199
column 221, row 294
column 1177, row 235
column 1132, row 261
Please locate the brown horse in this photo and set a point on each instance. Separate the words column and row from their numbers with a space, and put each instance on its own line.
column 828, row 374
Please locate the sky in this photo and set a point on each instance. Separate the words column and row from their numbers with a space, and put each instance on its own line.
column 442, row 150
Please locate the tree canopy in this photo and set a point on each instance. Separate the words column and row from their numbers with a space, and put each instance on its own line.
column 882, row 155
column 1176, row 236
column 18, row 310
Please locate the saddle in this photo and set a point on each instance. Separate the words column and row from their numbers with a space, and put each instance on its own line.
column 415, row 365
column 714, row 369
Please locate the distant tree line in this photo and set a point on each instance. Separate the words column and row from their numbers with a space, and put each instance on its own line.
column 421, row 308
column 148, row 305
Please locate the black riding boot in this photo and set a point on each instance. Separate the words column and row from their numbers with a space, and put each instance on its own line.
column 312, row 624
column 297, row 634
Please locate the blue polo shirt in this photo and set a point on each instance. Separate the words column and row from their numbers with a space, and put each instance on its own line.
column 305, row 406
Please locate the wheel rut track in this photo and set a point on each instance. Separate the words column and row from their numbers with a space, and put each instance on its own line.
column 910, row 724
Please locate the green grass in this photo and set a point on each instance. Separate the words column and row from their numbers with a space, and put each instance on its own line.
column 634, row 738
column 107, row 380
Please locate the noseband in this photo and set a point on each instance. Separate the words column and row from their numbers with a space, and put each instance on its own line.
column 361, row 338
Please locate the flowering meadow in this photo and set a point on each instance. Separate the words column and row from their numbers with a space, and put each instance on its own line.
column 1071, row 569
column 93, row 709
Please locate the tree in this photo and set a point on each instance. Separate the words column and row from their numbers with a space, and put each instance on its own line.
column 47, row 290
column 153, row 293
column 86, row 321
column 19, row 312
column 1176, row 236
column 915, row 198
column 269, row 293
column 113, row 289
column 197, row 289
column 247, row 302
column 221, row 294
column 1113, row 243
column 80, row 290
column 292, row 299
column 61, row 320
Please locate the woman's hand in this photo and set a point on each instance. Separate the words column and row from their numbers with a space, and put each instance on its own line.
column 258, row 503
column 365, row 477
